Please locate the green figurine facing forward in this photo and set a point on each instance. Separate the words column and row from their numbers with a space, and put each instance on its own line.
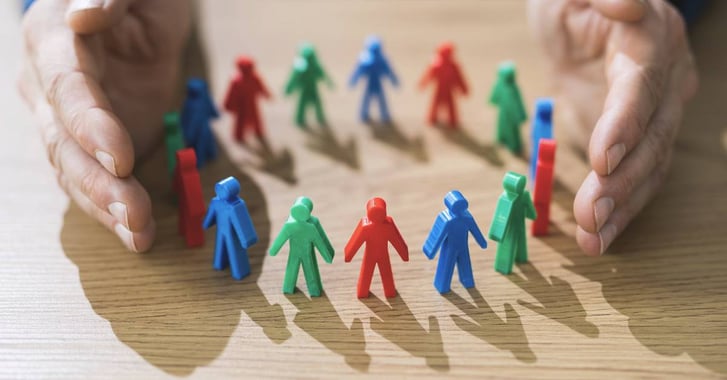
column 506, row 96
column 508, row 225
column 305, row 234
column 307, row 72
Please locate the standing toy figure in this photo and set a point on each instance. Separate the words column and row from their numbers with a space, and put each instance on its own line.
column 241, row 99
column 198, row 110
column 542, row 129
column 543, row 186
column 451, row 232
column 305, row 234
column 307, row 72
column 235, row 232
column 375, row 67
column 508, row 225
column 376, row 230
column 188, row 187
column 172, row 138
column 506, row 96
column 448, row 77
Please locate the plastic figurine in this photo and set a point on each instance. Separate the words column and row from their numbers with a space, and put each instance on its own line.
column 188, row 187
column 377, row 230
column 451, row 232
column 506, row 96
column 373, row 65
column 542, row 129
column 543, row 186
column 241, row 99
column 446, row 74
column 235, row 231
column 305, row 234
column 198, row 110
column 173, row 139
column 307, row 72
column 508, row 225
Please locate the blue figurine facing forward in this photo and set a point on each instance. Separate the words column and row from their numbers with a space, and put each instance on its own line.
column 235, row 232
column 198, row 110
column 451, row 232
column 373, row 65
column 542, row 129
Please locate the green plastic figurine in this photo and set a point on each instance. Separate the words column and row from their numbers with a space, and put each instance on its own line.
column 173, row 139
column 307, row 72
column 305, row 234
column 506, row 96
column 508, row 225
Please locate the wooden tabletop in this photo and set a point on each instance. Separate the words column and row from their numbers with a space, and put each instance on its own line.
column 75, row 304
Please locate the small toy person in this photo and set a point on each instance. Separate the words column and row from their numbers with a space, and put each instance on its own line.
column 196, row 115
column 373, row 65
column 305, row 234
column 508, row 225
column 172, row 139
column 543, row 186
column 307, row 72
column 241, row 99
column 506, row 96
column 188, row 187
column 377, row 230
column 446, row 74
column 235, row 231
column 451, row 232
column 542, row 129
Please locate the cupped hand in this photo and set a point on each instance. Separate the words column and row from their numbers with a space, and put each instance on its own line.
column 98, row 76
column 627, row 69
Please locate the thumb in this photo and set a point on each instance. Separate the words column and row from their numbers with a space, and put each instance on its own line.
column 621, row 10
column 94, row 16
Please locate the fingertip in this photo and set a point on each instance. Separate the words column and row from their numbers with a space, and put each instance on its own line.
column 583, row 205
column 621, row 10
column 138, row 242
column 590, row 243
column 87, row 20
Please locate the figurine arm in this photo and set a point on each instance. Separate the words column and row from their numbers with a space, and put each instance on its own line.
column 292, row 83
column 476, row 233
column 398, row 242
column 279, row 241
column 230, row 96
column 391, row 74
column 530, row 211
column 242, row 223
column 436, row 237
column 426, row 78
column 324, row 246
column 262, row 89
column 324, row 238
column 461, row 83
column 327, row 78
column 495, row 94
column 354, row 243
column 211, row 217
column 355, row 76
column 214, row 113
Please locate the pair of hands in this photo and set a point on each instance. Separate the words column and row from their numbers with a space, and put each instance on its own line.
column 101, row 73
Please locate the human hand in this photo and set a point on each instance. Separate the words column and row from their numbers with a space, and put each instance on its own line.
column 98, row 77
column 632, row 59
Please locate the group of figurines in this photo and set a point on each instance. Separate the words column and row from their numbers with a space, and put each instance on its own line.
column 190, row 144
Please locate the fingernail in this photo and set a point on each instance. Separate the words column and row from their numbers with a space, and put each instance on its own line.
column 107, row 161
column 602, row 210
column 82, row 5
column 614, row 155
column 607, row 234
column 119, row 211
column 126, row 236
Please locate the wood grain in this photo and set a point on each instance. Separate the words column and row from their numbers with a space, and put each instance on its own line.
column 75, row 304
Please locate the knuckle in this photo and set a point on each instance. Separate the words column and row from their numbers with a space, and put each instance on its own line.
column 653, row 80
column 91, row 183
column 54, row 142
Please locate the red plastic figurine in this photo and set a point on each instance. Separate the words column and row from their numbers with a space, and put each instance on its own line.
column 448, row 77
column 376, row 229
column 188, row 187
column 543, row 186
column 241, row 99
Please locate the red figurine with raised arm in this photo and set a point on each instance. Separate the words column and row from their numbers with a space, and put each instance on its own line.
column 376, row 229
column 241, row 99
column 445, row 72
column 188, row 187
column 543, row 186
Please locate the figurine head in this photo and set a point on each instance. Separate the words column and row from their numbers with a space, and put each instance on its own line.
column 376, row 210
column 445, row 51
column 228, row 189
column 196, row 87
column 506, row 72
column 245, row 64
column 373, row 45
column 186, row 159
column 544, row 108
column 514, row 183
column 171, row 122
column 301, row 209
column 546, row 150
column 308, row 52
column 456, row 202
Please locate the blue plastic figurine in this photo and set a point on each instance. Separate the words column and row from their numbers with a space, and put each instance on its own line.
column 451, row 232
column 373, row 64
column 542, row 129
column 235, row 232
column 198, row 110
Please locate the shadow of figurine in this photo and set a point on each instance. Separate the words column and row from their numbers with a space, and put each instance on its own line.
column 463, row 139
column 280, row 165
column 396, row 323
column 323, row 141
column 320, row 320
column 507, row 334
column 390, row 134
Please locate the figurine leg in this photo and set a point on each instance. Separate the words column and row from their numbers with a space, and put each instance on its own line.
column 194, row 233
column 464, row 267
column 445, row 270
column 300, row 112
column 383, row 108
column 221, row 251
column 432, row 118
column 452, row 112
column 291, row 274
column 239, row 131
column 319, row 110
column 387, row 278
column 364, row 278
column 521, row 247
column 365, row 104
column 312, row 276
column 504, row 256
column 239, row 262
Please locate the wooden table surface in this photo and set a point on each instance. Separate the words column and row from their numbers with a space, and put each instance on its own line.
column 75, row 304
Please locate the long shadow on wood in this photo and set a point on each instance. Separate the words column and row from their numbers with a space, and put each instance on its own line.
column 466, row 141
column 390, row 134
column 324, row 142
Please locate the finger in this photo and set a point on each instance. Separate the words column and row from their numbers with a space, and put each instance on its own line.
column 68, row 75
column 621, row 10
column 94, row 16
